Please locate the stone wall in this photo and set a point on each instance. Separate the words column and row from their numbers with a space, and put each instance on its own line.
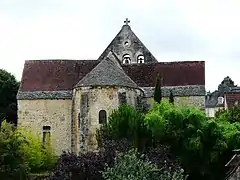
column 87, row 104
column 196, row 101
column 54, row 113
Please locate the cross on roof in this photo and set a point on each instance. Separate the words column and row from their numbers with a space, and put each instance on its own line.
column 127, row 21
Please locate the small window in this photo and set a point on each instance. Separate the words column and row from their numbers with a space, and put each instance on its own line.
column 46, row 134
column 102, row 116
column 126, row 59
column 140, row 59
column 122, row 98
column 220, row 100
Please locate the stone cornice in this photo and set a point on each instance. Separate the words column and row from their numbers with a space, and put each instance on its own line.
column 44, row 95
column 193, row 90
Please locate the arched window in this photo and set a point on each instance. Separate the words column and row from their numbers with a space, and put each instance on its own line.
column 102, row 116
column 46, row 134
column 126, row 59
column 140, row 59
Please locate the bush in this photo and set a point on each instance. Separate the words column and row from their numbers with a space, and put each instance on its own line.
column 125, row 122
column 231, row 115
column 22, row 152
column 39, row 157
column 89, row 165
column 133, row 166
column 12, row 164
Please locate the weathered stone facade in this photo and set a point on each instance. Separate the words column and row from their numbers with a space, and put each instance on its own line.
column 35, row 114
column 88, row 102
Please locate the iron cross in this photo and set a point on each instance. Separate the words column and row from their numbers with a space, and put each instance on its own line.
column 127, row 21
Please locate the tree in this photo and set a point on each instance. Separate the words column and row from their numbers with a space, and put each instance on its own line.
column 171, row 98
column 158, row 90
column 8, row 92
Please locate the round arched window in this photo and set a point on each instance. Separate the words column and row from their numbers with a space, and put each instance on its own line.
column 102, row 116
column 140, row 59
column 126, row 59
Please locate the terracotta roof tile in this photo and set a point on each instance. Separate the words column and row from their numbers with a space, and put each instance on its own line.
column 233, row 99
column 55, row 75
column 172, row 73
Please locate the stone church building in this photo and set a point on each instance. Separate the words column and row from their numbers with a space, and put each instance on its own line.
column 69, row 99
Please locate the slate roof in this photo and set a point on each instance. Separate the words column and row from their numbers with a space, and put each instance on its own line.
column 107, row 73
column 57, row 75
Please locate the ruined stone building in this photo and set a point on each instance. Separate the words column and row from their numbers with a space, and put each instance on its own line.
column 69, row 99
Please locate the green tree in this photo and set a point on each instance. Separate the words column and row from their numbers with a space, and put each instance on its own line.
column 8, row 92
column 158, row 90
column 171, row 98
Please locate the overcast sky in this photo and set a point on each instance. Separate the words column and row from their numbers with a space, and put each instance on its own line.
column 173, row 30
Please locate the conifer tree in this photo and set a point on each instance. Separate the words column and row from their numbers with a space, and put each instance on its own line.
column 158, row 90
column 171, row 98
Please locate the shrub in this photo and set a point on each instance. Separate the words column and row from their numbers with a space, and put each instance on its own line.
column 38, row 156
column 89, row 165
column 133, row 166
column 125, row 122
column 231, row 115
column 12, row 165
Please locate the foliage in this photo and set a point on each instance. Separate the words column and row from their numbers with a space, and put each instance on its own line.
column 158, row 90
column 12, row 164
column 39, row 157
column 171, row 98
column 8, row 91
column 202, row 145
column 231, row 115
column 130, row 167
column 22, row 152
column 125, row 122
column 118, row 128
column 89, row 165
column 134, row 166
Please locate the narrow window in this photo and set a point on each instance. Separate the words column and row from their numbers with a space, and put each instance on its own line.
column 46, row 134
column 102, row 116
column 122, row 97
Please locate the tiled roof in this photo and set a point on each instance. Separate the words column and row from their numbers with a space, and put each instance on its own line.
column 233, row 99
column 55, row 75
column 172, row 73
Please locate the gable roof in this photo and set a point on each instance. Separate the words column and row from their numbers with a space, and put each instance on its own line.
column 57, row 75
column 134, row 46
column 107, row 73
column 54, row 75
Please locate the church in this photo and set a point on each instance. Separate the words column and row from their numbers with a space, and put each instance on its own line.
column 69, row 99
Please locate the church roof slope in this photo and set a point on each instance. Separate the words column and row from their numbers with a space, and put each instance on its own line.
column 107, row 73
column 58, row 75
column 54, row 75
column 172, row 73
